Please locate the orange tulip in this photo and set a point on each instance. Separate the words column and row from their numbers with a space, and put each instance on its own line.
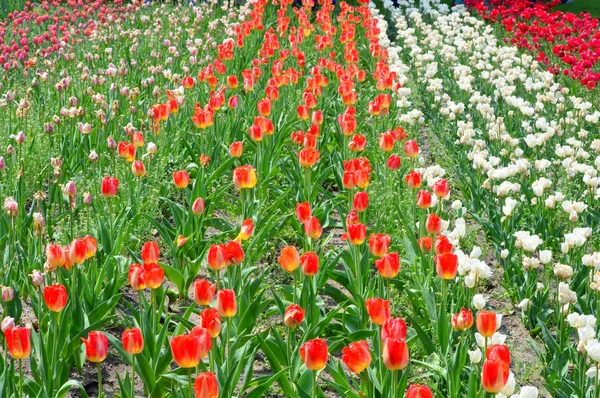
column 55, row 297
column 96, row 347
column 150, row 252
column 186, row 350
column 303, row 111
column 226, row 303
column 486, row 323
column 78, row 251
column 211, row 321
column 153, row 275
column 236, row 148
column 206, row 386
column 395, row 354
column 181, row 179
column 126, row 151
column 433, row 224
column 244, row 177
column 289, row 258
column 357, row 356
column 312, row 228
column 494, row 376
column 217, row 257
column 378, row 309
column 360, row 202
column 349, row 180
column 413, row 179
column 418, row 391
column 18, row 341
column 446, row 265
column 310, row 263
column 379, row 244
column 109, row 187
column 92, row 246
column 204, row 340
column 133, row 342
column 425, row 244
column 55, row 255
column 314, row 354
column 188, row 82
column 293, row 316
column 462, row 320
column 411, row 149
column 308, row 157
column 303, row 212
column 204, row 291
column 389, row 265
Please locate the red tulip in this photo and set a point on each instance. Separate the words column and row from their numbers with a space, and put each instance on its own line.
column 393, row 162
column 379, row 244
column 357, row 356
column 204, row 340
column 378, row 309
column 78, row 251
column 357, row 233
column 308, row 157
column 389, row 265
column 289, row 258
column 425, row 244
column 181, row 179
column 92, row 246
column 312, row 228
column 55, row 255
column 446, row 265
column 440, row 188
column 206, row 386
column 486, row 323
column 211, row 321
column 246, row 229
column 96, row 347
column 293, row 316
column 433, row 225
column 188, row 82
column 186, row 350
column 413, row 179
column 18, row 342
column 394, row 328
column 226, row 303
column 217, row 257
column 55, row 297
column 198, row 207
column 236, row 148
column 360, row 202
column 136, row 277
column 314, row 354
column 303, row 212
column 442, row 245
column 244, row 177
column 303, row 112
column 462, row 320
column 418, row 391
column 494, row 376
column 395, row 354
column 235, row 253
column 349, row 180
column 133, row 342
column 386, row 142
column 109, row 187
column 310, row 263
column 138, row 169
column 424, row 199
column 498, row 352
column 153, row 275
column 204, row 291
column 150, row 252
column 264, row 107
column 411, row 149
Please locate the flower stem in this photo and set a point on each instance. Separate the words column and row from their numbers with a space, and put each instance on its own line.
column 314, row 384
column 133, row 376
column 99, row 381
column 190, row 382
column 21, row 378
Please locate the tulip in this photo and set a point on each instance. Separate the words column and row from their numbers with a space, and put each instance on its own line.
column 440, row 188
column 498, row 352
column 133, row 342
column 246, row 230
column 217, row 257
column 411, row 149
column 379, row 244
column 424, row 199
column 244, row 177
column 395, row 354
column 37, row 279
column 303, row 212
column 446, row 265
column 153, row 275
column 462, row 320
column 442, row 245
column 92, row 246
column 186, row 350
column 314, row 354
column 181, row 179
column 136, row 277
column 188, row 82
column 236, row 148
column 211, row 321
column 352, row 218
column 394, row 328
column 150, row 252
column 308, row 157
column 494, row 376
column 312, row 228
column 413, row 179
column 204, row 292
column 235, row 253
column 55, row 255
column 96, row 347
column 55, row 297
column 486, row 323
column 360, row 202
column 310, row 263
column 7, row 323
column 357, row 233
column 293, row 316
column 389, row 265
column 204, row 339
column 393, row 162
column 378, row 309
column 198, row 207
column 349, row 180
column 433, row 225
column 289, row 259
column 138, row 169
column 18, row 342
column 8, row 294
column 206, row 386
column 357, row 356
column 78, row 251
column 264, row 107
column 226, row 303
column 303, row 111
column 418, row 391
column 109, row 188
column 425, row 244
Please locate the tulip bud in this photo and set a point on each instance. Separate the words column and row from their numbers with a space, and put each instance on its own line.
column 486, row 323
column 133, row 341
column 357, row 356
column 8, row 294
column 462, row 320
column 293, row 316
column 226, row 303
column 204, row 292
column 7, row 323
column 378, row 309
column 198, row 207
column 87, row 198
column 395, row 354
column 37, row 279
column 314, row 354
column 206, row 385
